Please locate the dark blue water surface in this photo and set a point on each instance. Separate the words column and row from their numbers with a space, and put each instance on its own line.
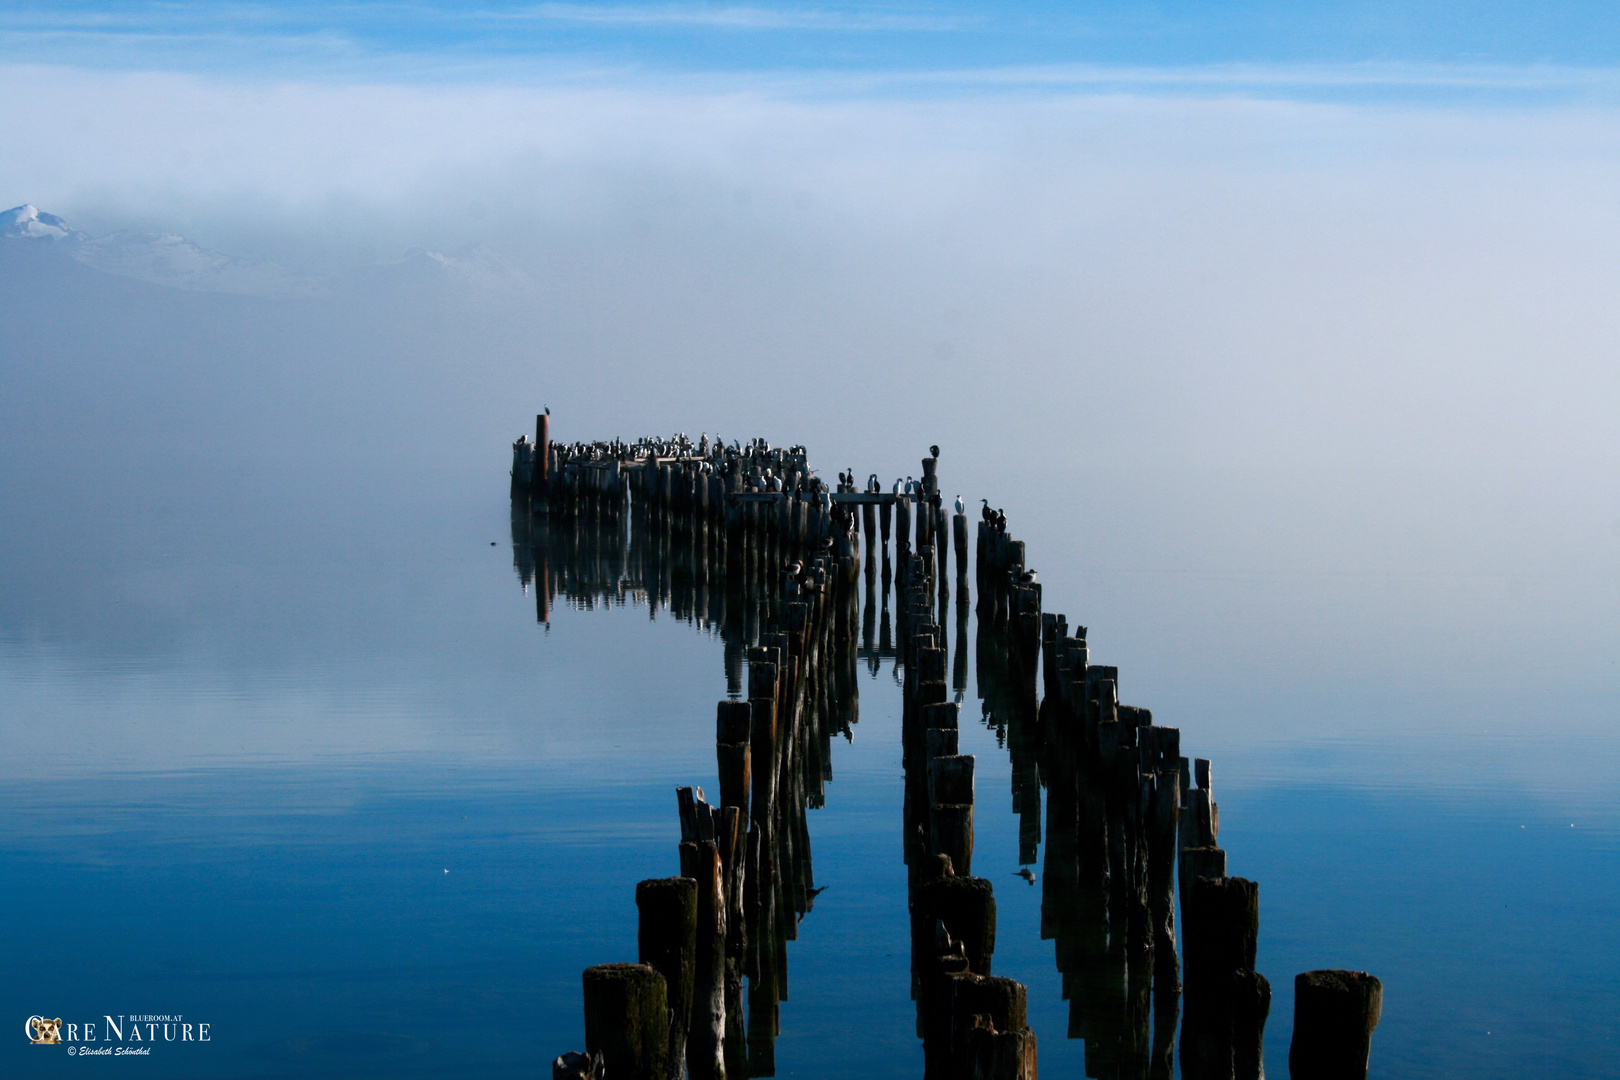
column 335, row 792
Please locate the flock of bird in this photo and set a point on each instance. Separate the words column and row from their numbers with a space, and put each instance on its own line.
column 763, row 468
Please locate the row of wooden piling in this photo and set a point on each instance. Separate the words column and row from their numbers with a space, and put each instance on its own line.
column 973, row 1024
column 715, row 937
column 757, row 488
column 706, row 529
column 1127, row 817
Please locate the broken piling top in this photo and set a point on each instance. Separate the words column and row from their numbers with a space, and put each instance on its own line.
column 1335, row 1012
column 627, row 1020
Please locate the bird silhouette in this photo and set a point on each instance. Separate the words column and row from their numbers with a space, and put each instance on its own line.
column 933, row 451
column 1026, row 873
column 810, row 901
column 961, row 507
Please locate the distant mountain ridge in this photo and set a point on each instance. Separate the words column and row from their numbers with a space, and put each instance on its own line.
column 158, row 258
column 172, row 260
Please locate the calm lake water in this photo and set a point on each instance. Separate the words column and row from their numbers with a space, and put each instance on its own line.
column 307, row 769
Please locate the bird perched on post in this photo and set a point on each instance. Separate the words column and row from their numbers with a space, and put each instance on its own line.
column 933, row 451
column 961, row 507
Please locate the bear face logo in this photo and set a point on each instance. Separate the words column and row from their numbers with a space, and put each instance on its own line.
column 45, row 1031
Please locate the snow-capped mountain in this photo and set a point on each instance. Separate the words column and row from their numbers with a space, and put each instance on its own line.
column 159, row 258
column 27, row 223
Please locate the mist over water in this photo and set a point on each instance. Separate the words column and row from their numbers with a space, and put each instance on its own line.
column 1304, row 409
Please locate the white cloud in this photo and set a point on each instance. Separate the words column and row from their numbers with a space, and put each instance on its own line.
column 1359, row 352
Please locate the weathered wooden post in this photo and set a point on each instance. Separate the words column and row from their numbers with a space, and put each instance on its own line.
column 902, row 525
column 1251, row 1004
column 540, row 474
column 667, row 940
column 763, row 740
column 1197, row 862
column 990, row 1036
column 706, row 1042
column 1335, row 1013
column 950, row 799
column 967, row 908
column 627, row 1020
column 940, row 742
column 733, row 734
column 869, row 526
column 1222, row 927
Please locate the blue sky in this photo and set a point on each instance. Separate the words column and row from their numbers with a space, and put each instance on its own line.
column 1319, row 48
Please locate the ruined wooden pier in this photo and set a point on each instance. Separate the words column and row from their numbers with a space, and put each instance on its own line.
column 747, row 540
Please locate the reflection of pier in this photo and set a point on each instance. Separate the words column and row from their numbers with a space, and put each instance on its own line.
column 746, row 543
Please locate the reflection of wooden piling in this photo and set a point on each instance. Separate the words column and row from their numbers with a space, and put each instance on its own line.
column 627, row 1020
column 959, row 536
column 667, row 939
column 1335, row 1013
